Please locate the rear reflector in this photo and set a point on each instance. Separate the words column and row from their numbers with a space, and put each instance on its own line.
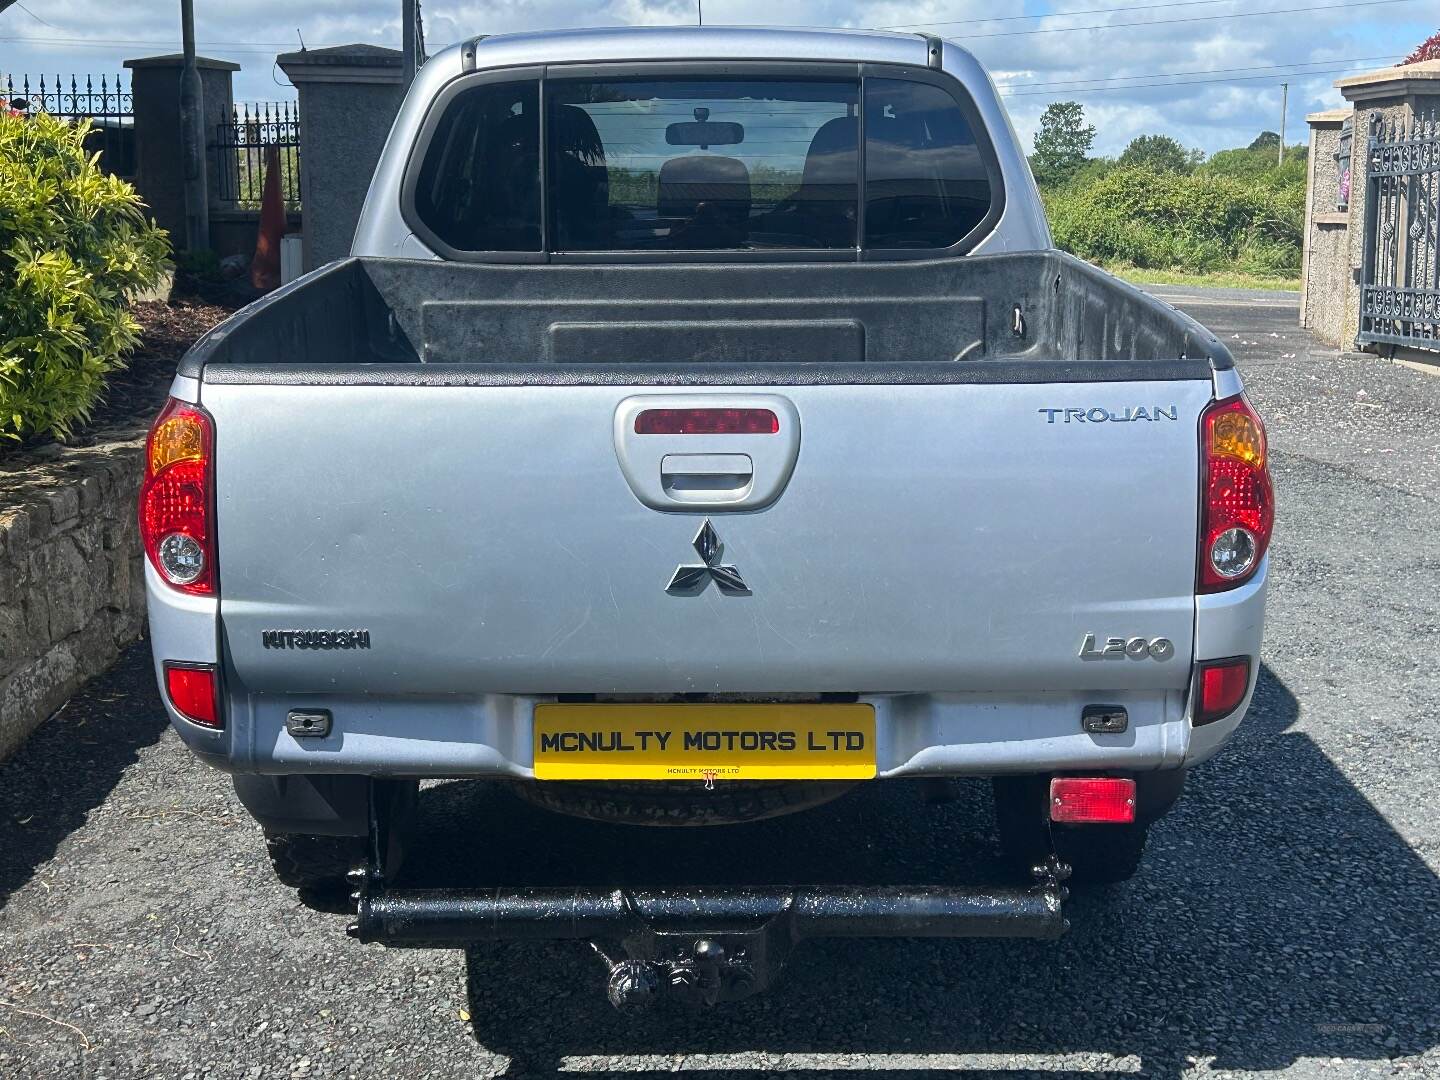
column 1085, row 800
column 192, row 691
column 707, row 422
column 1220, row 686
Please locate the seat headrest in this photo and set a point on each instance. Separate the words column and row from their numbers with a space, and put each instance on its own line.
column 723, row 183
column 831, row 157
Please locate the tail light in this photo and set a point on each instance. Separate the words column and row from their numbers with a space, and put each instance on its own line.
column 1237, row 511
column 193, row 691
column 177, row 516
column 1092, row 800
column 1220, row 686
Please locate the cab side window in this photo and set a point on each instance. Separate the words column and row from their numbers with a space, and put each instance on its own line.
column 479, row 185
column 926, row 181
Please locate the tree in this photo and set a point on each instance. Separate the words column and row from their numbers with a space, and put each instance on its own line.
column 1429, row 49
column 1160, row 153
column 1266, row 140
column 1062, row 143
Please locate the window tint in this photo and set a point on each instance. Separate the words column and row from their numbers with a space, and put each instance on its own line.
column 701, row 165
column 926, row 185
column 479, row 185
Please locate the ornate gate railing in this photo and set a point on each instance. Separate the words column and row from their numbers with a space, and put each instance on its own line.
column 107, row 104
column 1400, row 282
column 242, row 146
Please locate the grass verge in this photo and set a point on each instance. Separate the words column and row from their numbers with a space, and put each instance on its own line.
column 1221, row 279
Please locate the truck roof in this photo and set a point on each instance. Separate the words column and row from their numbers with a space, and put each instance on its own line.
column 696, row 43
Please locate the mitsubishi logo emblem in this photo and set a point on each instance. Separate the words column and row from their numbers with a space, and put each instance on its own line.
column 691, row 578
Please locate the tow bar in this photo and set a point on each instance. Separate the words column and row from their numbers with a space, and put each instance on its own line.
column 707, row 945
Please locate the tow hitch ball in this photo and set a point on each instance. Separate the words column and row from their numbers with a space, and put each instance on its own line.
column 707, row 967
column 704, row 972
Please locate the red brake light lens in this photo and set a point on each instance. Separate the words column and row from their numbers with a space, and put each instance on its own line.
column 193, row 692
column 707, row 422
column 1086, row 800
column 1220, row 686
column 1237, row 511
column 176, row 498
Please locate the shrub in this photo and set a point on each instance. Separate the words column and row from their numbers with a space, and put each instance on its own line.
column 74, row 247
column 1161, row 153
column 1429, row 49
column 1173, row 221
column 1258, row 166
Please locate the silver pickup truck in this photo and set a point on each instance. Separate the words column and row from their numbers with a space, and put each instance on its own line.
column 703, row 427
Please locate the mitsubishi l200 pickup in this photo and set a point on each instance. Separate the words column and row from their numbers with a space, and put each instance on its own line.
column 704, row 427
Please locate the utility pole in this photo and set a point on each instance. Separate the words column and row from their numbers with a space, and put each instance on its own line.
column 412, row 40
column 192, row 137
column 700, row 11
column 1284, row 103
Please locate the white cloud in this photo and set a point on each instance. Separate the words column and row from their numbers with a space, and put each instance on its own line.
column 89, row 36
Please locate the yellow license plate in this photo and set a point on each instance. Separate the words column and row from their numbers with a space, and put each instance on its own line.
column 704, row 741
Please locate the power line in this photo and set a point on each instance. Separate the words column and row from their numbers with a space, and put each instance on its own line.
column 1124, row 9
column 114, row 43
column 269, row 45
column 1063, row 83
column 1188, row 82
column 1165, row 22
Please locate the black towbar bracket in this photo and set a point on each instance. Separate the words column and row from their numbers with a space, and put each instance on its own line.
column 706, row 944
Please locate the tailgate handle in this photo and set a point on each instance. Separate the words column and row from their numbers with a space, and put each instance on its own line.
column 706, row 476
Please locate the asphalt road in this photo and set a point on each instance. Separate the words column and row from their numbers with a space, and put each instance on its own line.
column 1288, row 920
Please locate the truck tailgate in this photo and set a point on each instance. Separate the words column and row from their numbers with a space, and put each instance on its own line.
column 486, row 538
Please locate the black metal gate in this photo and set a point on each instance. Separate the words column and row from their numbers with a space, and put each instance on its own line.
column 259, row 135
column 1400, row 286
column 107, row 105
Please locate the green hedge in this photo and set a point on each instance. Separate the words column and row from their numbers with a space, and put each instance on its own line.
column 1198, row 222
column 74, row 247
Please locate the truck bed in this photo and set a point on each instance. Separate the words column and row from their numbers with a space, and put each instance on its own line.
column 1024, row 317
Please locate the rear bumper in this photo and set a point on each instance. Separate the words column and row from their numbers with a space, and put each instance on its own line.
column 920, row 734
column 491, row 735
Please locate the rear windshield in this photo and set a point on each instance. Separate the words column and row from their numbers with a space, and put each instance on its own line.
column 719, row 164
column 701, row 166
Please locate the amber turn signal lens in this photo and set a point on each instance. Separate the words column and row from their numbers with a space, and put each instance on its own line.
column 1237, row 435
column 176, row 438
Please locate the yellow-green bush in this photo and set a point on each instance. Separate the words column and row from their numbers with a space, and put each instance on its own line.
column 74, row 247
column 1199, row 222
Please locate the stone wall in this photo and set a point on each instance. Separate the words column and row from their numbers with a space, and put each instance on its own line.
column 71, row 585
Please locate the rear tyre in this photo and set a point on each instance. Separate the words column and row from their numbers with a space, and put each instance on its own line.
column 682, row 803
column 1098, row 854
column 318, row 863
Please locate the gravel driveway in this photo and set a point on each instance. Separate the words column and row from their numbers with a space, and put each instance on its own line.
column 1288, row 919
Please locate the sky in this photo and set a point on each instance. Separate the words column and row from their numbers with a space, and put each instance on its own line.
column 1207, row 72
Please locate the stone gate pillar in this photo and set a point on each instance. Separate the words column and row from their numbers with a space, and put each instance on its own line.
column 159, row 165
column 1325, row 271
column 349, row 96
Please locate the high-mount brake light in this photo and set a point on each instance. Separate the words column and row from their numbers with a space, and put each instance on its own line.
column 177, row 498
column 1092, row 800
column 707, row 422
column 1237, row 504
column 1220, row 687
column 194, row 693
